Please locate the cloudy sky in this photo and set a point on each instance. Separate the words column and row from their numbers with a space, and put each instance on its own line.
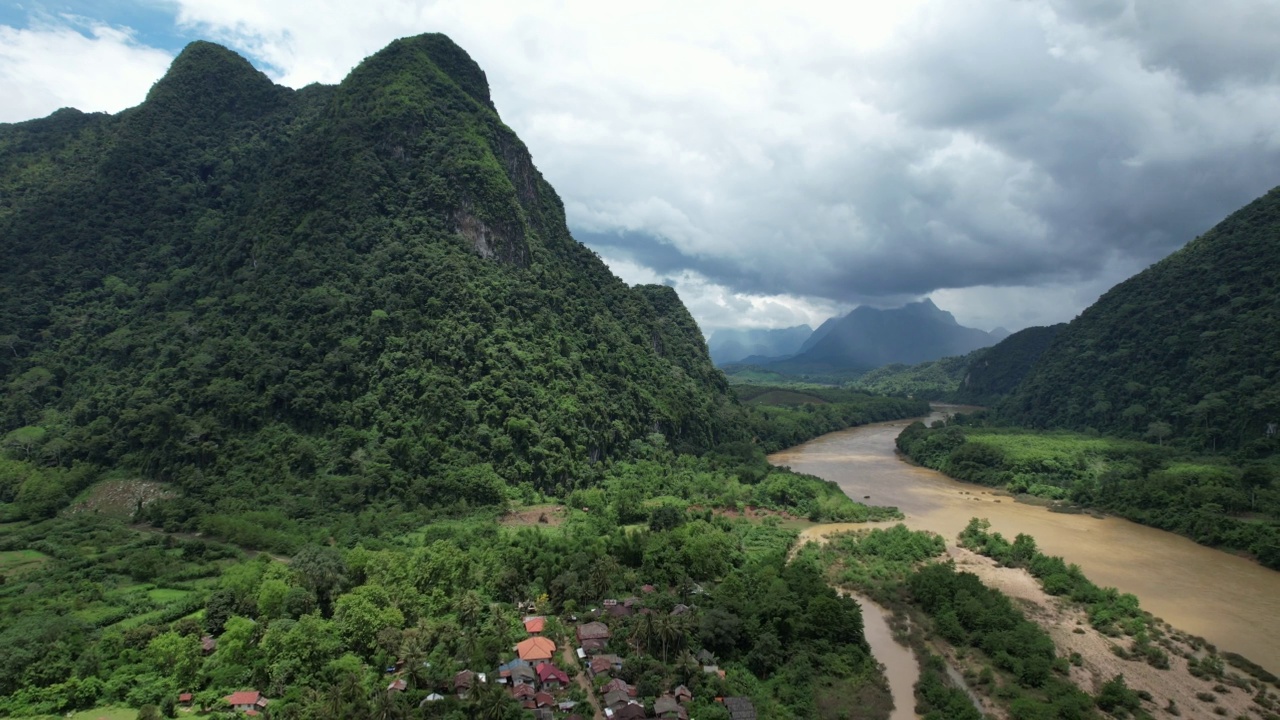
column 780, row 162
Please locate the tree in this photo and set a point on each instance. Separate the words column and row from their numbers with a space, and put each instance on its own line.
column 362, row 613
column 321, row 570
column 1255, row 478
column 1158, row 430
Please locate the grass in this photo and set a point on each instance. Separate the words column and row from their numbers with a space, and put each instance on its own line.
column 164, row 596
column 16, row 562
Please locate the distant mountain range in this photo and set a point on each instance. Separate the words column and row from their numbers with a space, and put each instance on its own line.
column 864, row 339
column 732, row 345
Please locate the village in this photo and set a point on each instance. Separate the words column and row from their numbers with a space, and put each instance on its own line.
column 628, row 659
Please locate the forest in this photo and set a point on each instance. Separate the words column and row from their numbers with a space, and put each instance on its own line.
column 111, row 614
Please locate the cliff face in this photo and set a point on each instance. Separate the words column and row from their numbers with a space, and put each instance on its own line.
column 357, row 291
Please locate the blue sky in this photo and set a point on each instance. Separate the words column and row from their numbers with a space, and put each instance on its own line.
column 781, row 162
column 154, row 23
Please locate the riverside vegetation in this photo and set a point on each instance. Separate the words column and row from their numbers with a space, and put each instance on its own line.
column 1215, row 500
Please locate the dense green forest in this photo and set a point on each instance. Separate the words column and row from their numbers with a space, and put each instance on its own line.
column 1189, row 343
column 1211, row 499
column 992, row 373
column 321, row 300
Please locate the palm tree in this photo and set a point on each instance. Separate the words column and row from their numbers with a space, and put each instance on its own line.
column 492, row 701
column 644, row 630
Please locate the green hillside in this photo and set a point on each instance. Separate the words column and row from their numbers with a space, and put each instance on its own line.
column 319, row 301
column 1186, row 349
column 997, row 371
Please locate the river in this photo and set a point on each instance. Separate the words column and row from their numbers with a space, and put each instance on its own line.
column 1232, row 602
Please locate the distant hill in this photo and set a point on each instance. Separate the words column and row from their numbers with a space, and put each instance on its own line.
column 1191, row 342
column 869, row 338
column 994, row 372
column 730, row 345
column 313, row 301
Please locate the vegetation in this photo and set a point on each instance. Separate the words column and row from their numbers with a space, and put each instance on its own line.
column 898, row 568
column 1188, row 343
column 933, row 380
column 117, row 615
column 319, row 302
column 1213, row 501
column 995, row 372
column 1110, row 610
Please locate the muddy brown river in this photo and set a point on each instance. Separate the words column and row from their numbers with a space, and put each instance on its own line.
column 1232, row 602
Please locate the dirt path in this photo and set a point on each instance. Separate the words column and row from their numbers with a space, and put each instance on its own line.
column 1069, row 627
column 580, row 674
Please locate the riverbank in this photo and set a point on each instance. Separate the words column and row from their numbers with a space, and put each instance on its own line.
column 1068, row 625
column 1230, row 601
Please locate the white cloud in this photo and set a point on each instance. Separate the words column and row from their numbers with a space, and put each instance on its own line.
column 794, row 158
column 81, row 64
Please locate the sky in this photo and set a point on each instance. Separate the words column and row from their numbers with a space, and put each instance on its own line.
column 781, row 162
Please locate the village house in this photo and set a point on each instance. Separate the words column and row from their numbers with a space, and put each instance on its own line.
column 631, row 712
column 552, row 677
column 618, row 684
column 740, row 708
column 464, row 681
column 544, row 699
column 185, row 699
column 615, row 699
column 535, row 649
column 208, row 644
column 667, row 708
column 604, row 664
column 524, row 695
column 535, row 624
column 249, row 702
column 516, row 671
column 682, row 695
column 593, row 631
column 397, row 685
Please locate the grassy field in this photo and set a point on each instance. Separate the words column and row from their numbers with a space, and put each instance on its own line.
column 16, row 562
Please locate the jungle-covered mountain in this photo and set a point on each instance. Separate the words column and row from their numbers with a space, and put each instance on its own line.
column 731, row 345
column 1187, row 348
column 322, row 298
column 994, row 372
column 869, row 338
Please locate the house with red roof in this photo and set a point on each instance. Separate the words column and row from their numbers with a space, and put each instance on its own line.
column 249, row 702
column 535, row 624
column 535, row 649
column 552, row 677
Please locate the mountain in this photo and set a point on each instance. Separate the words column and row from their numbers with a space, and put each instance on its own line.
column 729, row 345
column 869, row 338
column 818, row 334
column 994, row 372
column 320, row 300
column 1190, row 342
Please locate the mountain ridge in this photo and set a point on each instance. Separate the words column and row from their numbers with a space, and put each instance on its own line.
column 360, row 291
